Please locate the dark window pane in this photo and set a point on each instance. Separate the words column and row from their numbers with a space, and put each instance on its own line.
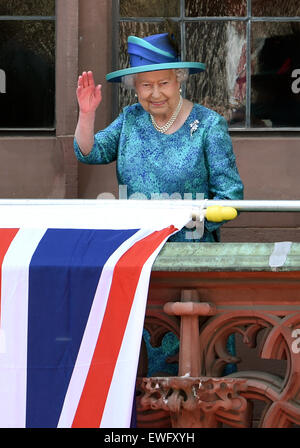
column 27, row 58
column 275, row 80
column 139, row 29
column 28, row 8
column 222, row 87
column 146, row 8
column 271, row 8
column 215, row 8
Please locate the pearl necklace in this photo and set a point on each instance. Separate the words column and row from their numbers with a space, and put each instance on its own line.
column 167, row 126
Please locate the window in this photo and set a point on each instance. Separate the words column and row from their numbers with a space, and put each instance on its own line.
column 250, row 48
column 27, row 64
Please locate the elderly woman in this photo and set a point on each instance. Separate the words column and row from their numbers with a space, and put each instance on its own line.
column 164, row 145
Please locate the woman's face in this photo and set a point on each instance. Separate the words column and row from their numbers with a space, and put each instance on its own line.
column 158, row 92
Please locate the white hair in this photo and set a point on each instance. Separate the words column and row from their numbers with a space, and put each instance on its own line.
column 182, row 75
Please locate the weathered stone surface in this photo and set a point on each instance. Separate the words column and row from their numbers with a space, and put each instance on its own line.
column 223, row 257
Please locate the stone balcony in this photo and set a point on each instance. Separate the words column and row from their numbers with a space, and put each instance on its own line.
column 207, row 295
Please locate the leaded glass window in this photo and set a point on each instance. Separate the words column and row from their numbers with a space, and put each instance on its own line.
column 27, row 64
column 250, row 48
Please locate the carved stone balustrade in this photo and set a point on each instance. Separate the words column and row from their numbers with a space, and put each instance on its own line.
column 207, row 294
column 196, row 402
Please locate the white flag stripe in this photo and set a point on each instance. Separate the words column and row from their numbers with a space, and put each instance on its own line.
column 124, row 385
column 91, row 333
column 93, row 217
column 14, row 323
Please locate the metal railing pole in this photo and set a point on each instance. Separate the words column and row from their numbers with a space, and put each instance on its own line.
column 240, row 205
column 259, row 205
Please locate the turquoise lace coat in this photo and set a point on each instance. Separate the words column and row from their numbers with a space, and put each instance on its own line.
column 194, row 162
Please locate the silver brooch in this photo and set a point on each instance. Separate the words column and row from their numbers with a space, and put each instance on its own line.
column 194, row 126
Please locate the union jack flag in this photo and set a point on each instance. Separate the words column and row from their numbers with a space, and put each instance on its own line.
column 72, row 311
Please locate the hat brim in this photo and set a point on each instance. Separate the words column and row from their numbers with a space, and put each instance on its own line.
column 193, row 67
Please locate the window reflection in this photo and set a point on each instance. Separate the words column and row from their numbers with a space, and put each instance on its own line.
column 215, row 8
column 28, row 8
column 271, row 8
column 222, row 86
column 27, row 56
column 146, row 8
column 275, row 64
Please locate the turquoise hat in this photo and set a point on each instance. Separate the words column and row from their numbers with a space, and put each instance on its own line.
column 152, row 53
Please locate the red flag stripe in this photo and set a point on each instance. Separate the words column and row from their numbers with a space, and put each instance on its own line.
column 6, row 237
column 125, row 280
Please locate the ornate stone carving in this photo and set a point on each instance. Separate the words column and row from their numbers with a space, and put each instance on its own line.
column 196, row 402
column 200, row 396
column 281, row 395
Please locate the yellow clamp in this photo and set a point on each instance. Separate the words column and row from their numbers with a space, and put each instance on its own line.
column 218, row 213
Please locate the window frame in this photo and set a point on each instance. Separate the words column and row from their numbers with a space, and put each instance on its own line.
column 66, row 67
column 183, row 20
column 33, row 18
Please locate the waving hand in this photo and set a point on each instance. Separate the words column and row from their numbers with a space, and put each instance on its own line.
column 88, row 95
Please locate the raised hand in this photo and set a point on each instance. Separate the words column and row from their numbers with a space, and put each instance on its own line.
column 88, row 95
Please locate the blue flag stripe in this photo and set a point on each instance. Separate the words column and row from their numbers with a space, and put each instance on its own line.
column 63, row 277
